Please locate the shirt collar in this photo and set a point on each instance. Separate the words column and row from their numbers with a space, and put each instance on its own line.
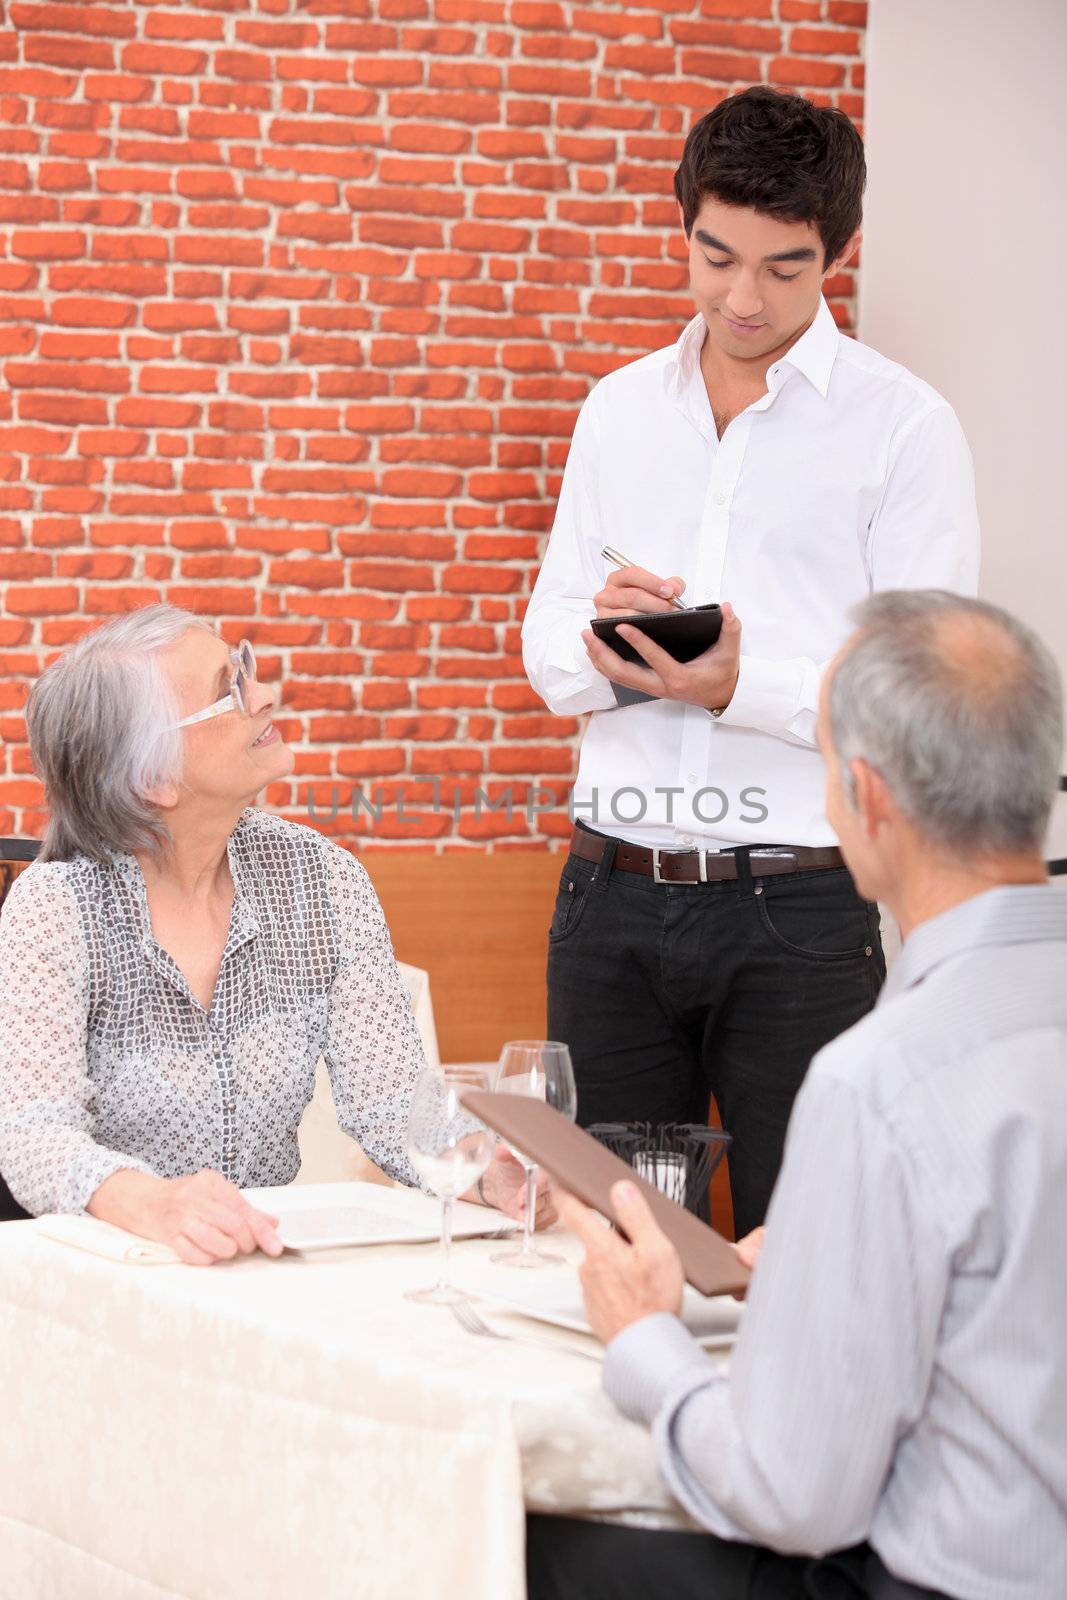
column 132, row 908
column 813, row 355
column 1025, row 913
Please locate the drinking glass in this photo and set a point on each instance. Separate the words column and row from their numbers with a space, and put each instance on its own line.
column 541, row 1069
column 449, row 1149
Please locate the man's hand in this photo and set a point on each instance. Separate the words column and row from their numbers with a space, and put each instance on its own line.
column 749, row 1247
column 504, row 1186
column 623, row 1282
column 709, row 680
column 631, row 589
column 204, row 1218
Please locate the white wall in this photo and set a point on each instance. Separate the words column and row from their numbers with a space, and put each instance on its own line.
column 964, row 262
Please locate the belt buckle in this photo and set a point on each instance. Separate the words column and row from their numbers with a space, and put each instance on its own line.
column 702, row 863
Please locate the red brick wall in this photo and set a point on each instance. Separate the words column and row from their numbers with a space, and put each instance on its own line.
column 298, row 303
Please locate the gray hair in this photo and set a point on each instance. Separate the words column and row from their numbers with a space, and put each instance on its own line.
column 101, row 724
column 959, row 707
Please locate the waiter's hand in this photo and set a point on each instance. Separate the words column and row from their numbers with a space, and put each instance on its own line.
column 623, row 1279
column 630, row 589
column 708, row 681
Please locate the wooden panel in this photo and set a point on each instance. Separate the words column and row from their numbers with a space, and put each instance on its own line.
column 479, row 925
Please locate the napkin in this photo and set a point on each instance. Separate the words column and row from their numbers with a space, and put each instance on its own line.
column 104, row 1239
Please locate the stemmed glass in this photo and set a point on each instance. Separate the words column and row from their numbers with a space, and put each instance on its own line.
column 449, row 1149
column 541, row 1069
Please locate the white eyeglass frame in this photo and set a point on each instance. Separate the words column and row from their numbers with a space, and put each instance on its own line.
column 244, row 669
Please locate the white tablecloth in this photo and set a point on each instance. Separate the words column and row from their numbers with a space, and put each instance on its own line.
column 289, row 1429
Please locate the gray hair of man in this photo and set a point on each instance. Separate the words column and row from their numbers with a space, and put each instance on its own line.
column 959, row 707
column 102, row 733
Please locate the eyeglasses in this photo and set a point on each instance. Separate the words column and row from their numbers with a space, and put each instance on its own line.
column 244, row 673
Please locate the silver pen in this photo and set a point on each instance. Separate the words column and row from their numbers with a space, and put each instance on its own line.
column 624, row 561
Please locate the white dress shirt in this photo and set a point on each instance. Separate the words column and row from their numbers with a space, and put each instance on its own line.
column 848, row 475
column 901, row 1372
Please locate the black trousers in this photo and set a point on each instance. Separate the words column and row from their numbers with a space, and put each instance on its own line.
column 567, row 1559
column 668, row 994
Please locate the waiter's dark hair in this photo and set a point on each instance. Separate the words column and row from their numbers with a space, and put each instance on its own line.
column 779, row 154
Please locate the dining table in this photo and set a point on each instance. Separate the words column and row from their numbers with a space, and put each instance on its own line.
column 293, row 1427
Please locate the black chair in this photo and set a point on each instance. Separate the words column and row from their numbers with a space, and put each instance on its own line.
column 14, row 854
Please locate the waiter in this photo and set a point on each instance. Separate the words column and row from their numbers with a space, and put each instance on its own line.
column 707, row 937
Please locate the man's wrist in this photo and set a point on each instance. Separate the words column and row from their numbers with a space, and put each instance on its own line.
column 722, row 705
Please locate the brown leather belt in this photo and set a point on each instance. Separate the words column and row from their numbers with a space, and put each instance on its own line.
column 703, row 866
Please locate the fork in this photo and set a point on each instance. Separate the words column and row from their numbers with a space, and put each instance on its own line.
column 469, row 1319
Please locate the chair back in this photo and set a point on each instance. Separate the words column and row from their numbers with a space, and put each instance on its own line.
column 15, row 855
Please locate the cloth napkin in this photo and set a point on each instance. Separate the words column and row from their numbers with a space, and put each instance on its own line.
column 104, row 1239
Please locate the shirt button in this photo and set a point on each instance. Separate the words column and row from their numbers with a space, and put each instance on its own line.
column 692, row 777
column 718, row 498
column 231, row 1105
column 687, row 838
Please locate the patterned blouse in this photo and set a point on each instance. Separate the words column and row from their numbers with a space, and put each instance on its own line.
column 107, row 1061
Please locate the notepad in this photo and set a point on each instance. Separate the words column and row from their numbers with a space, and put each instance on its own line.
column 683, row 634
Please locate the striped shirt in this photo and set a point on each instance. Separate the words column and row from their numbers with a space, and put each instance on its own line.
column 901, row 1374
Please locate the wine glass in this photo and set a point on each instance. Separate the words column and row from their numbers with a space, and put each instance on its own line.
column 449, row 1149
column 541, row 1069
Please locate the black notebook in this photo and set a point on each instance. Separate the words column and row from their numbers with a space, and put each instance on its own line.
column 683, row 634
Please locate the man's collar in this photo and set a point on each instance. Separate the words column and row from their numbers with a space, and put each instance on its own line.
column 1022, row 913
column 816, row 350
column 813, row 355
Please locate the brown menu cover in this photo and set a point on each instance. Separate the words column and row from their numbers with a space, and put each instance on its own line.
column 579, row 1163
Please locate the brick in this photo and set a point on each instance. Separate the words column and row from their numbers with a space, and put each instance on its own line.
column 389, row 576
column 97, row 20
column 216, row 601
column 42, row 600
column 61, row 408
column 77, row 54
column 170, row 59
column 806, row 73
column 49, row 245
column 301, row 333
column 824, row 41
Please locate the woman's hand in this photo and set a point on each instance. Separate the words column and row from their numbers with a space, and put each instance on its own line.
column 203, row 1218
column 504, row 1186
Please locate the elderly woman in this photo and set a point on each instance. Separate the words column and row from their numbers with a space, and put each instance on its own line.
column 174, row 965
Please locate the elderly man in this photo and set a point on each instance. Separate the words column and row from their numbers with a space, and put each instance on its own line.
column 898, row 1394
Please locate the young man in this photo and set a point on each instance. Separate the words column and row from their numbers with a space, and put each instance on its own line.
column 707, row 937
column 899, row 1388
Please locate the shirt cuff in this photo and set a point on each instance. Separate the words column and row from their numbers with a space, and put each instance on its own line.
column 649, row 1361
column 92, row 1171
column 768, row 695
column 569, row 675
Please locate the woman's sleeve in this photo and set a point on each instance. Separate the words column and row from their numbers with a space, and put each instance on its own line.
column 47, row 1151
column 373, row 1050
